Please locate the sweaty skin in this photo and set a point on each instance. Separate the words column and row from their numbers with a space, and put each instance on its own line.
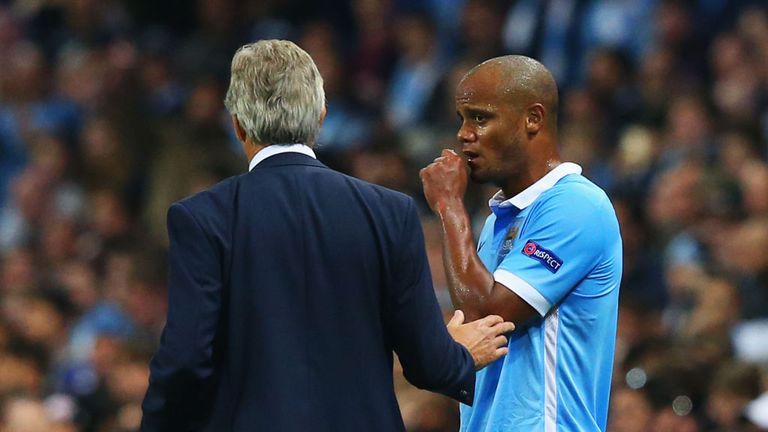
column 508, row 111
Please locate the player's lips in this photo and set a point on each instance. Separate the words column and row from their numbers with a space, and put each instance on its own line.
column 472, row 158
column 470, row 155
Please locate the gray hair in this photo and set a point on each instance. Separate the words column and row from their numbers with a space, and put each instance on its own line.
column 276, row 92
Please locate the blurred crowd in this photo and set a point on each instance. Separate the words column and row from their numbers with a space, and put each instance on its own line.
column 111, row 110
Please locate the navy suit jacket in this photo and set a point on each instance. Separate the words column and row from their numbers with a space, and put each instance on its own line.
column 289, row 288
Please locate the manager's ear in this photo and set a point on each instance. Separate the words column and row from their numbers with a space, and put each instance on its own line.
column 239, row 131
column 322, row 114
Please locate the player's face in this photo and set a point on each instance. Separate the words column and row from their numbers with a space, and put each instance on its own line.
column 492, row 129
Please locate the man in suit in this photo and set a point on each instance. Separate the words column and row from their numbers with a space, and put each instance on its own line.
column 291, row 285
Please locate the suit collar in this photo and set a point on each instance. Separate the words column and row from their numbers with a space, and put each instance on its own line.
column 288, row 158
column 276, row 149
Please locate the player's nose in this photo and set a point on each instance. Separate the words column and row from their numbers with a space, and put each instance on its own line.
column 466, row 135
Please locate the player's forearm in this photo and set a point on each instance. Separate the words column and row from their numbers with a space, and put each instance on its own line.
column 469, row 283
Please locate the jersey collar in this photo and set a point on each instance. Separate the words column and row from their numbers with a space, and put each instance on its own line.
column 275, row 149
column 529, row 195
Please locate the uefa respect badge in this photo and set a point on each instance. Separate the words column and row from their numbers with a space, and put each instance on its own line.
column 545, row 256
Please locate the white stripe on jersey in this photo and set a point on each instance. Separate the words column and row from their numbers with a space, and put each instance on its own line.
column 551, row 324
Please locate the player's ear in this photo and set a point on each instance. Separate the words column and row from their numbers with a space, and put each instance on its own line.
column 535, row 115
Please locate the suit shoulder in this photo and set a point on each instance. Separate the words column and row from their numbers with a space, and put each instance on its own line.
column 380, row 193
column 213, row 203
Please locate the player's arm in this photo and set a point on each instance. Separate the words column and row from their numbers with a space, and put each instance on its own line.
column 559, row 251
column 472, row 287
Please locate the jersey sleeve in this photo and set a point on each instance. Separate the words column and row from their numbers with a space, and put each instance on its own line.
column 559, row 244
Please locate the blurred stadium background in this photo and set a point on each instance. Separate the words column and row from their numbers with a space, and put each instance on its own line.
column 110, row 110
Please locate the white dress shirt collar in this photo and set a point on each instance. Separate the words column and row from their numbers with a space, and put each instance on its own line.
column 529, row 195
column 275, row 149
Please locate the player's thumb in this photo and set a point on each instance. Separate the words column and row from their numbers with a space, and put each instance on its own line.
column 457, row 319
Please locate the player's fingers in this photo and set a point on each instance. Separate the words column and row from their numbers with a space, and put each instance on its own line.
column 501, row 352
column 457, row 319
column 426, row 170
column 448, row 152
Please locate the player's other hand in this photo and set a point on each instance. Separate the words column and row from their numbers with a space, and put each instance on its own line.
column 444, row 180
column 483, row 338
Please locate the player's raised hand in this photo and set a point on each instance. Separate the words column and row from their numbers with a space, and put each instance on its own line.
column 483, row 338
column 444, row 180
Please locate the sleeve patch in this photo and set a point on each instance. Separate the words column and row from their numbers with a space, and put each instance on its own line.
column 545, row 256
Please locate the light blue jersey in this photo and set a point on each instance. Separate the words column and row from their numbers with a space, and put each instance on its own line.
column 556, row 245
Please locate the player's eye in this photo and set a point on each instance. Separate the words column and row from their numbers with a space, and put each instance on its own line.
column 479, row 118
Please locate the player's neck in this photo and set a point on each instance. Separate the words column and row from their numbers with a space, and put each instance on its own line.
column 530, row 176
